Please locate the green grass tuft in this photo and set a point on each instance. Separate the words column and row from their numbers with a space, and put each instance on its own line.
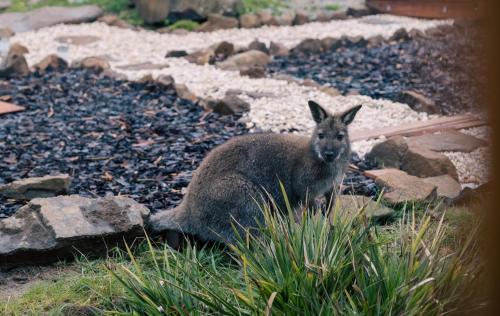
column 332, row 7
column 315, row 266
column 184, row 24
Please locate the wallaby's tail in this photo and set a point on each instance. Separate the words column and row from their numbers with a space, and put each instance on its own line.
column 167, row 220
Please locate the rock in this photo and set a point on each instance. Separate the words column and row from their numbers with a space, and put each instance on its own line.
column 113, row 20
column 204, row 8
column 97, row 64
column 358, row 41
column 358, row 10
column 48, row 16
column 447, row 187
column 309, row 46
column 6, row 32
column 143, row 66
column 415, row 34
column 286, row 18
column 249, row 20
column 14, row 65
column 18, row 49
column 424, row 163
column 146, row 79
column 188, row 14
column 245, row 60
column 388, row 154
column 448, row 141
column 40, row 187
column 5, row 4
column 324, row 16
column 351, row 204
column 470, row 196
column 166, row 80
column 78, row 40
column 277, row 49
column 300, row 18
column 176, row 54
column 331, row 91
column 416, row 160
column 224, row 49
column 417, row 102
column 229, row 105
column 153, row 11
column 341, row 15
column 253, row 72
column 257, row 45
column 400, row 35
column 331, row 43
column 201, row 57
column 399, row 187
column 218, row 22
column 310, row 83
column 113, row 74
column 51, row 229
column 51, row 63
column 266, row 18
column 184, row 93
column 375, row 40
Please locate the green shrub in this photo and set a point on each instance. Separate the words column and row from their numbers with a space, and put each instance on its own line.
column 332, row 7
column 251, row 6
column 314, row 266
column 185, row 24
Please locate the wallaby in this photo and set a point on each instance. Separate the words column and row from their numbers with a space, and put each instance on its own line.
column 236, row 174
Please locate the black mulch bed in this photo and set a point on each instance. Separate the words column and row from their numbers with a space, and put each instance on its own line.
column 444, row 65
column 112, row 137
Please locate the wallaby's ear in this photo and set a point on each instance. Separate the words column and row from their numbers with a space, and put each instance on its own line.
column 318, row 113
column 348, row 116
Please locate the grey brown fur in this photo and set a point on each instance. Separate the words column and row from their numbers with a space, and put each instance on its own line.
column 235, row 175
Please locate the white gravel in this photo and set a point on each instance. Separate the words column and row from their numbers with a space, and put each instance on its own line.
column 128, row 43
column 285, row 104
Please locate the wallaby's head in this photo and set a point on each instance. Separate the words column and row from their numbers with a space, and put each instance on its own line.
column 330, row 139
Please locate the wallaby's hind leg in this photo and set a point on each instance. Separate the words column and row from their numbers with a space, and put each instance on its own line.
column 229, row 200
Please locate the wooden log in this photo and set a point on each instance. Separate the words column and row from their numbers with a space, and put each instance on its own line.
column 420, row 127
column 440, row 9
column 6, row 107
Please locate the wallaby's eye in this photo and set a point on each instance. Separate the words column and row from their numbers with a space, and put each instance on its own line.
column 321, row 135
column 340, row 136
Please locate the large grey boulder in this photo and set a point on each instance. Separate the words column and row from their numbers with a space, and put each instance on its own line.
column 206, row 7
column 37, row 187
column 412, row 157
column 50, row 229
column 48, row 16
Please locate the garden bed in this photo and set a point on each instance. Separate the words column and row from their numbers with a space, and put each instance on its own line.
column 439, row 64
column 113, row 137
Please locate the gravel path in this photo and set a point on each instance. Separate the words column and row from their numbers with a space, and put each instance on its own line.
column 282, row 105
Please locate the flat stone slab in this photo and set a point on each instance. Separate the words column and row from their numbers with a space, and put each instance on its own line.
column 448, row 141
column 38, row 187
column 400, row 187
column 78, row 40
column 48, row 16
column 143, row 66
column 46, row 230
column 351, row 204
column 446, row 186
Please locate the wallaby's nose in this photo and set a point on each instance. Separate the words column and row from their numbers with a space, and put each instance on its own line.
column 329, row 155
